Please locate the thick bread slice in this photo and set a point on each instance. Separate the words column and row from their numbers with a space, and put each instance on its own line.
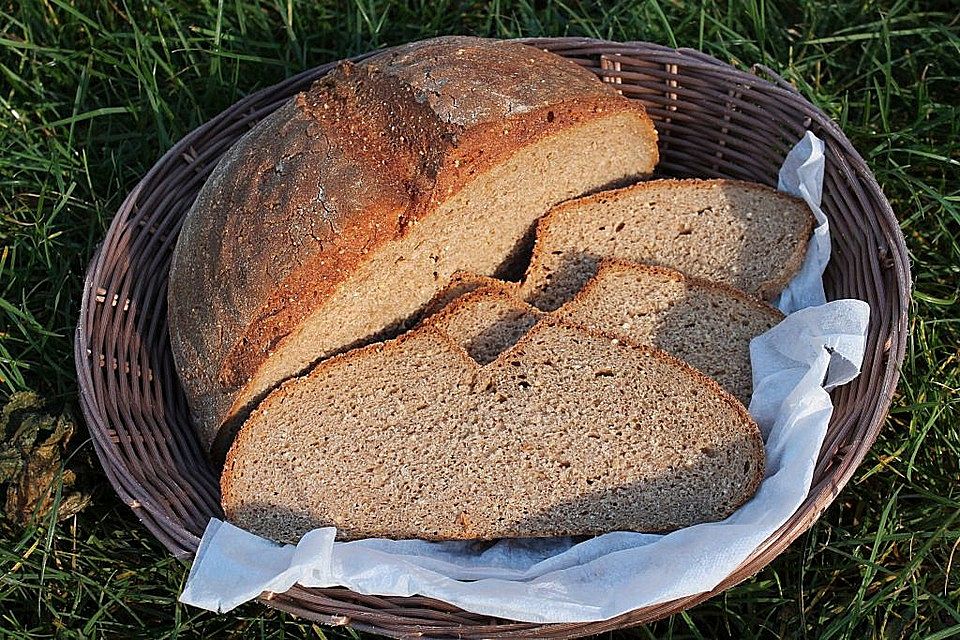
column 742, row 234
column 341, row 214
column 706, row 324
column 486, row 321
column 568, row 432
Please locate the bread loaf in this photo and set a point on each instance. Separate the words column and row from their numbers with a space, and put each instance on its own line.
column 566, row 432
column 742, row 234
column 341, row 214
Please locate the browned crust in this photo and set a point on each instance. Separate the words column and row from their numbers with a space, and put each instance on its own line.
column 768, row 290
column 611, row 265
column 264, row 246
column 545, row 323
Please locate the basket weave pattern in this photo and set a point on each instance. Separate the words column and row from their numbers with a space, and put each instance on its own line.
column 713, row 121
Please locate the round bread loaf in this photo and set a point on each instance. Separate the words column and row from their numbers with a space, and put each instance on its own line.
column 340, row 215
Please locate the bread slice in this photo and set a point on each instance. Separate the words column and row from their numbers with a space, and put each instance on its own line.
column 460, row 284
column 341, row 214
column 567, row 432
column 706, row 324
column 486, row 321
column 742, row 234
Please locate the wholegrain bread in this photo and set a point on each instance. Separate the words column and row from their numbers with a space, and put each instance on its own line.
column 743, row 234
column 460, row 284
column 567, row 432
column 706, row 324
column 486, row 321
column 341, row 214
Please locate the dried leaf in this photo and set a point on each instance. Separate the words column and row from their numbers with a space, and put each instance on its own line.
column 10, row 463
column 31, row 461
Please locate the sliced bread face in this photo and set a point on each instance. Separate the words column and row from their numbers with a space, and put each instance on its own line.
column 460, row 284
column 742, row 234
column 568, row 432
column 707, row 325
column 486, row 321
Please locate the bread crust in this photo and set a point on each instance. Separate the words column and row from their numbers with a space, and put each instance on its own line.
column 355, row 162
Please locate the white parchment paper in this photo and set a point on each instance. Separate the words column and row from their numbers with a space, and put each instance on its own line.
column 557, row 580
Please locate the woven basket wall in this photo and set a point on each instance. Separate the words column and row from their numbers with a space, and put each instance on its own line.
column 713, row 121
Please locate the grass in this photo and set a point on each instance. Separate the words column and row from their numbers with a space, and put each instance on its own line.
column 92, row 92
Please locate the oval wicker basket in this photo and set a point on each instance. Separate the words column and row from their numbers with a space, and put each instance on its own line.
column 713, row 121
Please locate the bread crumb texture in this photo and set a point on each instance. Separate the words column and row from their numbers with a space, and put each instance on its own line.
column 566, row 432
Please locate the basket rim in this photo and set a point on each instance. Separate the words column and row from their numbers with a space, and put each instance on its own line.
column 182, row 543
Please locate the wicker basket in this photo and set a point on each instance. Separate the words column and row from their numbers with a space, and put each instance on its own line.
column 713, row 121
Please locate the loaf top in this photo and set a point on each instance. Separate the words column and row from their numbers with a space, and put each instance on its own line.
column 296, row 204
column 465, row 86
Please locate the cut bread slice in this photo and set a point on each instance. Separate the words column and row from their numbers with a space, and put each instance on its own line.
column 462, row 283
column 742, row 234
column 706, row 324
column 567, row 432
column 486, row 321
